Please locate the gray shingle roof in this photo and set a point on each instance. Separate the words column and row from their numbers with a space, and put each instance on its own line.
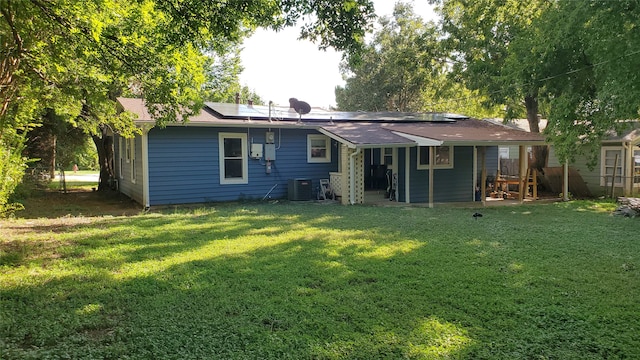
column 357, row 129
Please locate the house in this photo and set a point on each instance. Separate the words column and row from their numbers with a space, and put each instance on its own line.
column 597, row 177
column 235, row 151
column 509, row 154
column 616, row 167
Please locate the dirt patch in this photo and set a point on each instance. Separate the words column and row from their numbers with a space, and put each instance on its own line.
column 77, row 203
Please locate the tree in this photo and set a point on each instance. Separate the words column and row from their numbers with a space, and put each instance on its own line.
column 594, row 47
column 394, row 68
column 404, row 68
column 497, row 52
column 223, row 79
column 79, row 56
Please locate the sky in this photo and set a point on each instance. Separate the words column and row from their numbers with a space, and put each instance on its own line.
column 277, row 66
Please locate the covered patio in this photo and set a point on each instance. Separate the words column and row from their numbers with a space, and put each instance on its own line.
column 448, row 160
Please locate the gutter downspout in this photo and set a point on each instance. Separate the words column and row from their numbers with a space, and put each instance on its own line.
column 352, row 176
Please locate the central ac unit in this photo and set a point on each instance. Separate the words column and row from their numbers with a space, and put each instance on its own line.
column 299, row 189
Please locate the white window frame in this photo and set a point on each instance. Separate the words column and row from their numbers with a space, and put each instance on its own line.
column 243, row 156
column 127, row 150
column 425, row 165
column 315, row 159
column 132, row 158
column 603, row 165
column 503, row 152
column 387, row 157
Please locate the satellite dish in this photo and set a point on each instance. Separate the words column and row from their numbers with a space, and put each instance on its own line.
column 300, row 107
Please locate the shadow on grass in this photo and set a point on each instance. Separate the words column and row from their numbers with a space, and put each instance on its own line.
column 291, row 281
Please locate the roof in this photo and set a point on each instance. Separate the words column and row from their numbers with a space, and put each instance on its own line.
column 463, row 132
column 631, row 133
column 520, row 124
column 355, row 129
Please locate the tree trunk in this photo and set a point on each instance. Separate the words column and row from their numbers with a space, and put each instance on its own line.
column 52, row 160
column 104, row 146
column 540, row 153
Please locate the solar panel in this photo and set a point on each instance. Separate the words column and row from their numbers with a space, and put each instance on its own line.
column 243, row 111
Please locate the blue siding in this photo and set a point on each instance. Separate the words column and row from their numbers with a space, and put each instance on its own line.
column 450, row 185
column 491, row 162
column 184, row 168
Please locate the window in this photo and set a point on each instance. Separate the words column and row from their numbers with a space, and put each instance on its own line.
column 127, row 150
column 503, row 152
column 318, row 149
column 233, row 158
column 388, row 156
column 120, row 157
column 443, row 157
column 132, row 158
column 609, row 155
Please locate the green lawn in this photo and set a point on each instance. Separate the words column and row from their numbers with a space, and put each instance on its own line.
column 310, row 281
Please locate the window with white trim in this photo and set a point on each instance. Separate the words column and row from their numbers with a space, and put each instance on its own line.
column 443, row 157
column 233, row 158
column 127, row 150
column 503, row 152
column 120, row 157
column 318, row 148
column 611, row 158
column 387, row 156
column 132, row 158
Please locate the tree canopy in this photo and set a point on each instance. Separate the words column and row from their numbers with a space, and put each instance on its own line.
column 574, row 59
column 75, row 57
column 394, row 67
column 405, row 68
column 593, row 47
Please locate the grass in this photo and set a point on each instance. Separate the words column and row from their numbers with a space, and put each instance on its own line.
column 309, row 281
column 74, row 184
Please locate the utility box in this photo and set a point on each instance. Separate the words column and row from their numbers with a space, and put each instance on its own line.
column 270, row 137
column 269, row 152
column 299, row 189
column 256, row 151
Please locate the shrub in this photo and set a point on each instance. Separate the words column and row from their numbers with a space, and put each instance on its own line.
column 12, row 165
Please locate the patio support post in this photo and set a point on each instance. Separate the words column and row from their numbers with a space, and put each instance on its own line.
column 407, row 171
column 345, row 171
column 628, row 168
column 475, row 172
column 483, row 176
column 431, row 161
column 522, row 173
column 356, row 176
